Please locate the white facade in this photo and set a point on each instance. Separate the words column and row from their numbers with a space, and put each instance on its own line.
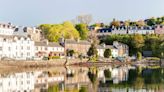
column 6, row 29
column 19, row 48
column 18, row 82
column 101, row 51
column 46, row 48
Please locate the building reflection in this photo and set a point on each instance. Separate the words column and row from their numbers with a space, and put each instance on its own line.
column 95, row 79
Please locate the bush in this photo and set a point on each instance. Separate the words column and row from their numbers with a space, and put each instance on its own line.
column 54, row 57
column 107, row 74
column 83, row 89
column 139, row 55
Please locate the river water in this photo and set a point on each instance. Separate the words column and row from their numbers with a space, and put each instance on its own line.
column 125, row 78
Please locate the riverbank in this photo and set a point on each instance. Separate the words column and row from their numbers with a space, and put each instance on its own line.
column 28, row 65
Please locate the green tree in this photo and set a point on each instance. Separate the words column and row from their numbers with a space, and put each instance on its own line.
column 83, row 89
column 138, row 41
column 151, row 22
column 107, row 53
column 70, row 52
column 139, row 55
column 55, row 31
column 107, row 73
column 83, row 31
column 54, row 88
column 92, row 51
column 161, row 50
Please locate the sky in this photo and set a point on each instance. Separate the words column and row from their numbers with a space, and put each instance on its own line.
column 35, row 12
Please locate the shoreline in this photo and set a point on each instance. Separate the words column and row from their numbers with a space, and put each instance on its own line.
column 7, row 66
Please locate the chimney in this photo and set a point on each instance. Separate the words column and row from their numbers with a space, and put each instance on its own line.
column 46, row 41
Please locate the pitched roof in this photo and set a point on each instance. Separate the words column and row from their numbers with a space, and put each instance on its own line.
column 105, row 47
column 50, row 44
column 70, row 41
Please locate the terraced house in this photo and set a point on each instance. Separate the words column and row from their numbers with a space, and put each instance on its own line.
column 46, row 49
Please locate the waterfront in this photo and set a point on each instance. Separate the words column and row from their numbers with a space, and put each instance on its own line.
column 115, row 78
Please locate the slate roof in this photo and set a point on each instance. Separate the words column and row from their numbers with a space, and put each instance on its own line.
column 50, row 44
column 106, row 47
column 70, row 41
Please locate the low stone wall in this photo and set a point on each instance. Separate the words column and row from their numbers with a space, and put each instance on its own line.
column 49, row 63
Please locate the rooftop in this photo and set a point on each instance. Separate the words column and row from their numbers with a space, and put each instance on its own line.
column 47, row 44
column 70, row 41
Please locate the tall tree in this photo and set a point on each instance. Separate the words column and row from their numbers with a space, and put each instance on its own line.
column 115, row 23
column 107, row 53
column 151, row 22
column 92, row 51
column 54, row 31
column 84, row 19
column 83, row 31
column 138, row 41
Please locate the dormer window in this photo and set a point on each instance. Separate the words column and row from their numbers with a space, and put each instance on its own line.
column 25, row 29
column 161, row 26
column 16, row 29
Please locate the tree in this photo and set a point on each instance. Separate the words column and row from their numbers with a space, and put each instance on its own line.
column 55, row 31
column 138, row 41
column 115, row 23
column 107, row 53
column 161, row 50
column 140, row 23
column 92, row 51
column 107, row 73
column 83, row 89
column 83, row 31
column 151, row 22
column 84, row 19
column 70, row 52
column 139, row 56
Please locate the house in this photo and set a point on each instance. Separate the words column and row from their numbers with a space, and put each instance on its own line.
column 6, row 29
column 79, row 46
column 119, row 30
column 159, row 29
column 123, row 49
column 101, row 49
column 117, row 49
column 17, row 82
column 34, row 33
column 16, row 47
column 141, row 30
column 104, row 32
column 46, row 49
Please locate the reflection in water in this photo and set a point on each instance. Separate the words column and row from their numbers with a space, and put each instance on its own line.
column 81, row 79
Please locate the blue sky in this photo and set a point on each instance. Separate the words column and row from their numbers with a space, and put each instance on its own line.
column 35, row 12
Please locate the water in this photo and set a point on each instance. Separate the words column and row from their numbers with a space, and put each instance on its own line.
column 124, row 78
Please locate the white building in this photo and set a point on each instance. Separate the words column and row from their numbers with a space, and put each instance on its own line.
column 18, row 82
column 117, row 49
column 141, row 30
column 45, row 49
column 34, row 33
column 101, row 49
column 16, row 47
column 6, row 29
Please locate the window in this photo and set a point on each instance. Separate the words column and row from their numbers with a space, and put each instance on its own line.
column 28, row 54
column 0, row 48
column 161, row 26
column 9, row 48
column 21, row 54
column 25, row 29
column 36, row 48
column 28, row 48
column 22, row 47
column 45, row 48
